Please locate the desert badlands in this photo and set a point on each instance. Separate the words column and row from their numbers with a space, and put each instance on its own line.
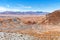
column 30, row 27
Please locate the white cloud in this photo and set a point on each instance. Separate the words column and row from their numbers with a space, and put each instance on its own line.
column 18, row 7
column 27, row 7
column 7, row 9
column 14, row 9
column 24, row 6
column 2, row 9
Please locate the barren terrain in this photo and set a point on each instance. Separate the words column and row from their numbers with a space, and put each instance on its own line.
column 44, row 27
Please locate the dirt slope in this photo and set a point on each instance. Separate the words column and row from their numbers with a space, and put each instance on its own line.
column 38, row 26
column 52, row 18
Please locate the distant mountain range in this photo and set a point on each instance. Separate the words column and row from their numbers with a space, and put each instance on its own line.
column 24, row 13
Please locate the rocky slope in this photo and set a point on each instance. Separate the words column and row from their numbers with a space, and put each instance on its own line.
column 52, row 18
column 16, row 36
column 41, row 27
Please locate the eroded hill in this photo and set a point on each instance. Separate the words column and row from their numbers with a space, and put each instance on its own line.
column 37, row 26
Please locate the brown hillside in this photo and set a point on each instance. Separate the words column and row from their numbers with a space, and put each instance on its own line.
column 52, row 18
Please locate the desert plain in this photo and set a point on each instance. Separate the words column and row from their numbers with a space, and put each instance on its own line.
column 41, row 27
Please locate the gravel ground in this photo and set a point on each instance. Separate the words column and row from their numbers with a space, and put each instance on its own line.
column 16, row 36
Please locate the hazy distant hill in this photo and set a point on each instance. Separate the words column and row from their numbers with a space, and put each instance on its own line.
column 24, row 13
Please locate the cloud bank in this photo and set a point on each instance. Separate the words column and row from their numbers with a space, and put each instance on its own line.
column 15, row 8
column 7, row 9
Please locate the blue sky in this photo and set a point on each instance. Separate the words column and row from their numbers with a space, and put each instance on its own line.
column 29, row 5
